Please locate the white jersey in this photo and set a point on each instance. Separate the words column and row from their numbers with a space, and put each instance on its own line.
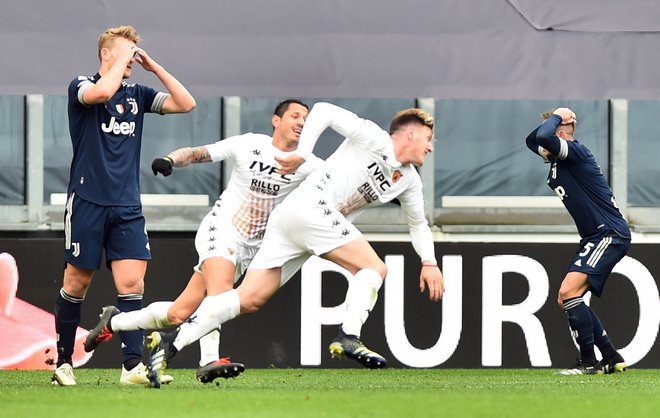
column 254, row 188
column 363, row 172
column 236, row 224
column 356, row 177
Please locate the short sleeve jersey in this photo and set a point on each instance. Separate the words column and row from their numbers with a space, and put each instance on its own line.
column 254, row 188
column 106, row 141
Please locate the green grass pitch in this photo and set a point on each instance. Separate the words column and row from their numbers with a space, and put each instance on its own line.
column 407, row 393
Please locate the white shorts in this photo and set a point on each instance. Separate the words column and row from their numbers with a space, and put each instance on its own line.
column 217, row 237
column 298, row 229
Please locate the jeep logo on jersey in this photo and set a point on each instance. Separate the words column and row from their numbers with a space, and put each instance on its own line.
column 117, row 128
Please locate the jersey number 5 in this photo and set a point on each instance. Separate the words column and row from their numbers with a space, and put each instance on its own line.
column 587, row 249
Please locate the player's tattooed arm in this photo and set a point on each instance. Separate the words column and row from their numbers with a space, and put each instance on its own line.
column 189, row 155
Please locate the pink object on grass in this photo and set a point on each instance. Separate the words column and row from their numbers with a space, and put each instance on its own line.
column 27, row 332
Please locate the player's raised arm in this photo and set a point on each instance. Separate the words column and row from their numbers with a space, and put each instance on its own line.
column 116, row 59
column 180, row 100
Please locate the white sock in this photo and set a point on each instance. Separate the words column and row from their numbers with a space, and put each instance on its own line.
column 209, row 348
column 361, row 297
column 153, row 316
column 212, row 312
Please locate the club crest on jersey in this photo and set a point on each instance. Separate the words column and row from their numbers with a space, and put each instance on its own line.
column 396, row 176
column 133, row 103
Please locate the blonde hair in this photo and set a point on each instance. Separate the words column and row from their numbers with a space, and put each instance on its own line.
column 408, row 116
column 546, row 115
column 108, row 38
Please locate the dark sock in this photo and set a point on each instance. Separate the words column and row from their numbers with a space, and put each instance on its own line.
column 170, row 337
column 601, row 339
column 67, row 319
column 579, row 319
column 132, row 340
column 131, row 363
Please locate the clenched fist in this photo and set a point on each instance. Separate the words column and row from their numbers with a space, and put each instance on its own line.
column 162, row 165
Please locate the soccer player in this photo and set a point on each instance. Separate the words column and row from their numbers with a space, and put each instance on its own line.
column 370, row 168
column 576, row 178
column 103, row 209
column 230, row 234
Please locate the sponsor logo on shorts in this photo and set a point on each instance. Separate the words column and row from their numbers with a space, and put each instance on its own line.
column 76, row 249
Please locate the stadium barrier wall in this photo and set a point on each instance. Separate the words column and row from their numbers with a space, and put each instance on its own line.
column 499, row 308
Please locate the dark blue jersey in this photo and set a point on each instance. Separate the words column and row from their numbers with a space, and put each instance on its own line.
column 577, row 179
column 106, row 141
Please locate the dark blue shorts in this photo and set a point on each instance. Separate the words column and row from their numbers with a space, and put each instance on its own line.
column 597, row 258
column 90, row 229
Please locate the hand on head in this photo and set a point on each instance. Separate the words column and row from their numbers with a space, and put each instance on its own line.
column 124, row 50
column 566, row 114
column 128, row 51
column 146, row 61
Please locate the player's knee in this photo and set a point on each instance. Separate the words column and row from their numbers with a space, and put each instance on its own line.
column 76, row 282
column 566, row 293
column 76, row 288
column 560, row 299
column 381, row 269
column 130, row 285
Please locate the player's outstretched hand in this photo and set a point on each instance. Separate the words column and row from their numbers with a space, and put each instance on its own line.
column 162, row 165
column 431, row 278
